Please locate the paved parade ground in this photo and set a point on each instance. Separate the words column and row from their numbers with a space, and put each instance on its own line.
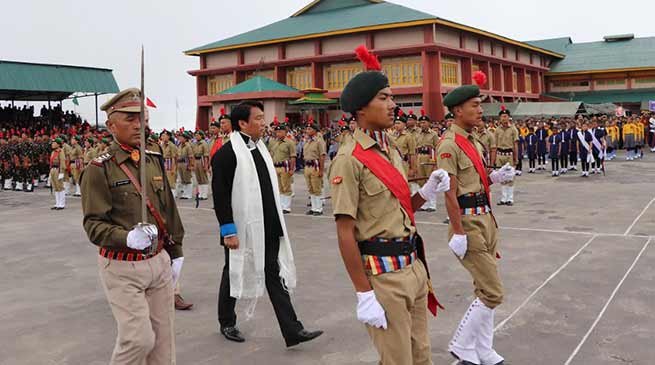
column 577, row 264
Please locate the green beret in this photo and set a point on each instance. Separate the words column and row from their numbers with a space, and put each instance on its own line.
column 91, row 140
column 105, row 140
column 201, row 133
column 461, row 95
column 58, row 140
column 78, row 138
column 449, row 116
column 361, row 89
column 187, row 135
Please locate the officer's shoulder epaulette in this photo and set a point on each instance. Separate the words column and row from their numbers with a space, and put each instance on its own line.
column 100, row 160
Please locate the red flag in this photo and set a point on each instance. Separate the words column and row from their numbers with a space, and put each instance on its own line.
column 150, row 103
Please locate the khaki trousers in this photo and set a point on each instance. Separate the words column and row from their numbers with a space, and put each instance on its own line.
column 404, row 296
column 423, row 170
column 201, row 174
column 314, row 182
column 184, row 172
column 55, row 182
column 480, row 259
column 284, row 180
column 140, row 295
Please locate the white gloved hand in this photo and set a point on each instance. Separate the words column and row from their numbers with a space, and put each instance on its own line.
column 142, row 236
column 60, row 176
column 369, row 310
column 176, row 268
column 459, row 244
column 438, row 182
column 503, row 175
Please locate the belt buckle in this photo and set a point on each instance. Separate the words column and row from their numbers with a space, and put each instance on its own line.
column 152, row 249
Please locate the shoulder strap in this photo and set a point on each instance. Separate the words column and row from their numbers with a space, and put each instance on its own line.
column 160, row 222
column 472, row 153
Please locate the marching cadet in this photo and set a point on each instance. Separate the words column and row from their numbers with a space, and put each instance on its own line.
column 507, row 138
column 542, row 139
column 345, row 130
column 473, row 234
column 314, row 153
column 426, row 148
column 76, row 159
column 554, row 150
column 67, row 149
column 487, row 139
column 574, row 144
column 406, row 145
column 201, row 155
column 103, row 146
column 412, row 127
column 169, row 153
column 283, row 152
column 374, row 214
column 450, row 118
column 139, row 262
column 57, row 167
column 185, row 165
column 89, row 151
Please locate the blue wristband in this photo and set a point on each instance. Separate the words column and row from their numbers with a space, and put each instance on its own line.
column 228, row 229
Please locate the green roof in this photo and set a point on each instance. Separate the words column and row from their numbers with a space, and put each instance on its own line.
column 257, row 84
column 597, row 56
column 609, row 96
column 41, row 82
column 314, row 98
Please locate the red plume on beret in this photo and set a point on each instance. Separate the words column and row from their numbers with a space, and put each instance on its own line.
column 479, row 78
column 213, row 119
column 400, row 112
column 369, row 60
column 502, row 108
column 286, row 119
column 422, row 112
column 275, row 121
column 342, row 123
column 411, row 111
column 222, row 111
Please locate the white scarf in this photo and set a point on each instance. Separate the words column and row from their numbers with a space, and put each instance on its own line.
column 247, row 278
column 597, row 144
column 585, row 145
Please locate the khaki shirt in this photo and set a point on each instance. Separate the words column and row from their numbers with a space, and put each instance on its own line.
column 488, row 141
column 186, row 150
column 359, row 194
column 505, row 137
column 67, row 151
column 89, row 155
column 452, row 159
column 60, row 161
column 201, row 149
column 281, row 150
column 427, row 139
column 77, row 153
column 169, row 150
column 112, row 206
column 414, row 132
column 313, row 148
column 406, row 144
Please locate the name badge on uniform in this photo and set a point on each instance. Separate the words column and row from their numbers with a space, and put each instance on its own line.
column 120, row 183
column 157, row 178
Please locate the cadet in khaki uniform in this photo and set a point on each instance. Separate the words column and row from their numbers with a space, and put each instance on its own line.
column 66, row 148
column 57, row 167
column 345, row 132
column 185, row 165
column 314, row 154
column 406, row 145
column 426, row 148
column 487, row 140
column 507, row 140
column 139, row 262
column 473, row 233
column 283, row 152
column 89, row 151
column 201, row 155
column 169, row 152
column 77, row 160
column 376, row 230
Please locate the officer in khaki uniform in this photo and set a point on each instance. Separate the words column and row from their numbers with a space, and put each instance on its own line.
column 185, row 165
column 283, row 152
column 76, row 160
column 57, row 167
column 406, row 145
column 473, row 233
column 169, row 152
column 426, row 147
column 376, row 230
column 201, row 156
column 314, row 154
column 507, row 141
column 139, row 262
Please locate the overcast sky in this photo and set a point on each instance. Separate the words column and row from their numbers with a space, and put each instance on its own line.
column 110, row 34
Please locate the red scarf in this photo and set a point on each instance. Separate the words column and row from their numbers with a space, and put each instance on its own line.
column 474, row 155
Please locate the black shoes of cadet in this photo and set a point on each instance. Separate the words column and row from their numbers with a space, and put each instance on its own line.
column 302, row 336
column 232, row 334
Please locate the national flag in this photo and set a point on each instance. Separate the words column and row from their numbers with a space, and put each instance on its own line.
column 75, row 101
column 149, row 103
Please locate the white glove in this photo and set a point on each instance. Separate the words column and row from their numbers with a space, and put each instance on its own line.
column 459, row 244
column 176, row 268
column 60, row 176
column 142, row 236
column 503, row 175
column 369, row 310
column 438, row 182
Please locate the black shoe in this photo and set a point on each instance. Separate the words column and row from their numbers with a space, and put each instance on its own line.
column 286, row 211
column 502, row 203
column 509, row 204
column 233, row 334
column 309, row 212
column 446, row 221
column 303, row 336
column 54, row 208
column 430, row 210
column 463, row 362
column 317, row 213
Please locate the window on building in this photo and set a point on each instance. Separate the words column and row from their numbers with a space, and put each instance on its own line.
column 515, row 81
column 570, row 84
column 403, row 71
column 218, row 83
column 336, row 76
column 647, row 80
column 528, row 83
column 610, row 83
column 450, row 71
column 269, row 74
column 300, row 77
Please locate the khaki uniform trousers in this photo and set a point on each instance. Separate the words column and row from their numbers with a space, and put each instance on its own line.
column 480, row 259
column 284, row 180
column 201, row 173
column 140, row 295
column 502, row 160
column 404, row 296
column 76, row 174
column 185, row 174
column 423, row 170
column 314, row 182
column 170, row 175
column 57, row 185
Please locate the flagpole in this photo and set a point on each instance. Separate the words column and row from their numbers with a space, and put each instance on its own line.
column 177, row 108
column 142, row 146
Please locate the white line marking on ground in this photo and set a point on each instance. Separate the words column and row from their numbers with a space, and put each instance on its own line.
column 551, row 277
column 602, row 312
column 638, row 217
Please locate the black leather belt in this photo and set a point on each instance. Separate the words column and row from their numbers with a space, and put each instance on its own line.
column 472, row 200
column 388, row 247
column 506, row 150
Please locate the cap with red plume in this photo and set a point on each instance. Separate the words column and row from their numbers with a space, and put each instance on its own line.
column 423, row 116
column 286, row 119
column 480, row 78
column 223, row 115
column 362, row 88
column 411, row 115
column 503, row 110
